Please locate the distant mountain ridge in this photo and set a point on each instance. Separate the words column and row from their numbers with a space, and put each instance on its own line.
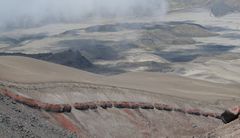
column 218, row 7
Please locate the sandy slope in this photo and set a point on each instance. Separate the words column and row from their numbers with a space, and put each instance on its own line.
column 26, row 70
column 231, row 130
column 21, row 69
column 176, row 86
column 223, row 71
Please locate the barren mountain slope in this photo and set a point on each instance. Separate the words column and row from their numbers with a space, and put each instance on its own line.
column 183, row 44
column 168, row 76
column 59, row 84
column 231, row 130
column 17, row 120
column 27, row 70
column 21, row 69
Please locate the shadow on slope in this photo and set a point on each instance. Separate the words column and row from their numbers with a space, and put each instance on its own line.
column 71, row 58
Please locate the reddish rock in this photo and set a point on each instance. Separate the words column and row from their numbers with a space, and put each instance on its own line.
column 105, row 104
column 146, row 106
column 81, row 106
column 227, row 116
column 235, row 110
column 29, row 102
column 163, row 107
column 37, row 104
column 21, row 99
column 7, row 93
column 205, row 114
column 179, row 110
column 134, row 105
column 127, row 105
column 194, row 112
column 67, row 108
column 158, row 106
column 121, row 105
column 92, row 105
column 59, row 108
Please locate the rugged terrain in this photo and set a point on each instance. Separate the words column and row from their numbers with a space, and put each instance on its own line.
column 229, row 130
column 183, row 44
column 182, row 61
column 17, row 120
column 57, row 84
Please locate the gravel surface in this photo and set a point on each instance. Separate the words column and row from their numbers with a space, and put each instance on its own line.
column 19, row 121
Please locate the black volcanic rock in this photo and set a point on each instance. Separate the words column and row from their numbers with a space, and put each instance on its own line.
column 68, row 58
column 228, row 117
column 15, row 41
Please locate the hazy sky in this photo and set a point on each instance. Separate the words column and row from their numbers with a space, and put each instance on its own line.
column 22, row 13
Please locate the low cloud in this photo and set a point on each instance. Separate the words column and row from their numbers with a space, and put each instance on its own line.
column 28, row 13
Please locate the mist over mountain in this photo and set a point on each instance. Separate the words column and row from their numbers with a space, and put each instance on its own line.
column 28, row 13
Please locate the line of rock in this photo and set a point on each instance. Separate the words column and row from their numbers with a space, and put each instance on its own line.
column 62, row 108
column 141, row 105
column 58, row 108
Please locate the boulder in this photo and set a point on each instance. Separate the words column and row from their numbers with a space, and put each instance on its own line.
column 29, row 102
column 81, row 106
column 146, row 106
column 194, row 112
column 21, row 99
column 163, row 107
column 133, row 105
column 230, row 115
column 105, row 104
column 67, row 108
column 121, row 105
column 127, row 105
column 179, row 110
column 59, row 108
column 92, row 105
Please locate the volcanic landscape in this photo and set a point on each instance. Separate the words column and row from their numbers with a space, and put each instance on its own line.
column 141, row 77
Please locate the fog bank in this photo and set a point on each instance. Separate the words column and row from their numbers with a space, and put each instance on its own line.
column 28, row 13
